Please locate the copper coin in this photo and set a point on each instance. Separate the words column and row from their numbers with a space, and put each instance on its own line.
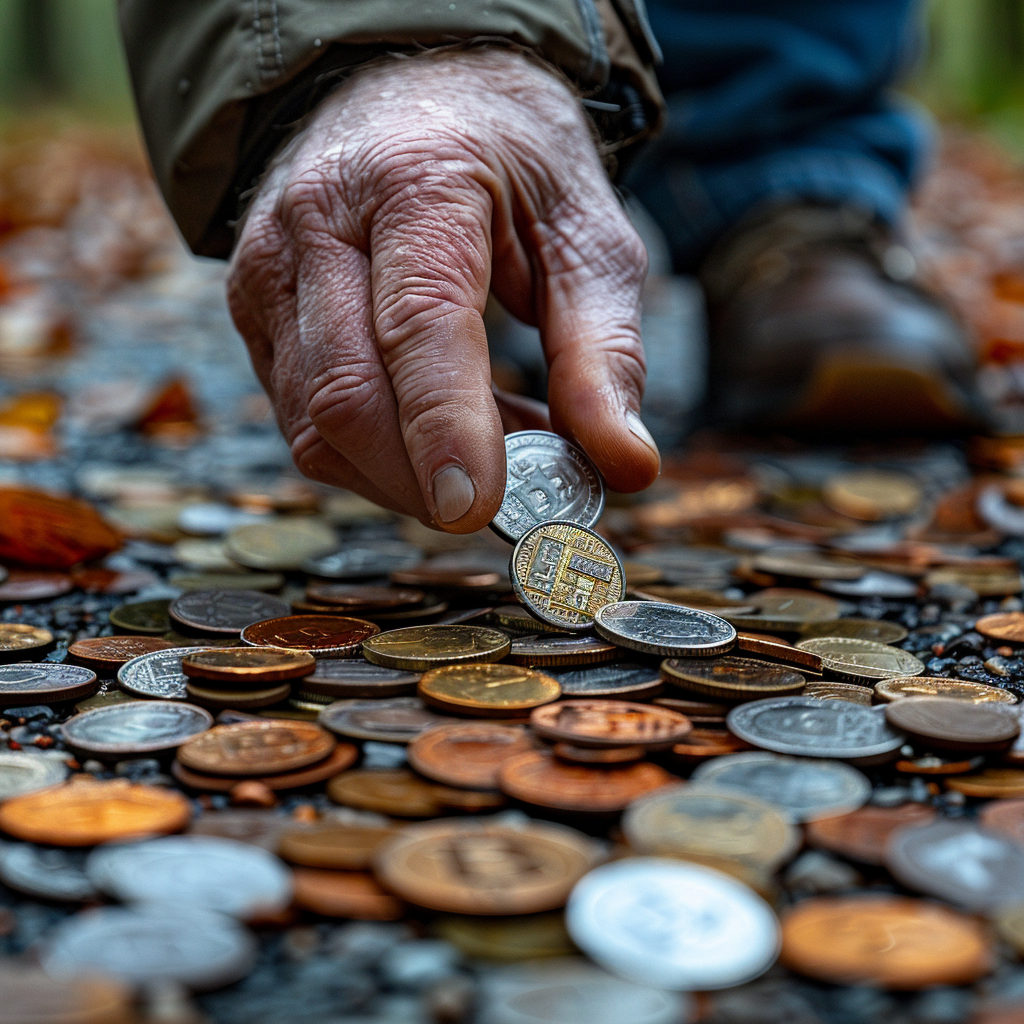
column 540, row 650
column 702, row 744
column 990, row 783
column 609, row 723
column 597, row 755
column 487, row 691
column 362, row 598
column 540, row 778
column 106, row 654
column 419, row 648
column 775, row 649
column 1005, row 817
column 705, row 712
column 44, row 683
column 240, row 700
column 939, row 686
column 439, row 576
column 351, row 894
column 884, row 941
column 732, row 679
column 355, row 677
column 467, row 754
column 87, row 813
column 247, row 667
column 930, row 764
column 257, row 748
column 1005, row 626
column 944, row 723
column 863, row 835
column 224, row 612
column 391, row 720
column 325, row 635
column 18, row 641
column 341, row 758
column 333, row 845
column 34, row 586
column 400, row 793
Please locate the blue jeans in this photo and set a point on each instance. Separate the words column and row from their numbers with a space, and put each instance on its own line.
column 772, row 101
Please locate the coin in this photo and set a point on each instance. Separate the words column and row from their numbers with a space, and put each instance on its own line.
column 362, row 598
column 467, row 754
column 597, row 755
column 227, row 581
column 349, row 894
column 362, row 560
column 531, row 937
column 785, row 610
column 331, row 636
column 944, row 723
column 839, row 691
column 224, row 612
column 878, row 630
column 206, row 555
column 672, row 925
column 391, row 720
column 149, row 618
column 706, row 712
column 334, row 845
column 256, row 748
column 245, row 666
column 805, row 789
column 238, row 699
column 419, row 648
column 351, row 677
column 1010, row 926
column 496, row 691
column 106, row 654
column 87, row 813
column 30, row 995
column 564, row 573
column 516, row 617
column 862, row 835
column 21, row 772
column 806, row 564
column 18, row 587
column 448, row 577
column 139, row 727
column 624, row 680
column 255, row 827
column 708, row 826
column 341, row 758
column 815, row 728
column 702, row 744
column 554, row 650
column 984, row 580
column 1005, row 626
column 667, row 629
column 872, row 584
column 44, row 683
column 205, row 872
column 609, row 723
column 539, row 778
column 732, row 679
column 467, row 867
column 398, row 792
column 430, row 611
column 546, row 478
column 774, row 649
column 872, row 494
column 857, row 660
column 887, row 942
column 939, row 686
column 18, row 641
column 156, row 676
column 47, row 874
column 990, row 783
column 280, row 545
column 1005, row 817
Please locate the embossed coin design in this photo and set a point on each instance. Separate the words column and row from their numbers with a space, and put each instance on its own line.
column 257, row 748
column 564, row 573
column 467, row 754
column 944, row 723
column 855, row 661
column 610, row 723
column 667, row 629
column 156, row 676
column 337, row 678
column 224, row 612
column 45, row 683
column 18, row 641
column 419, row 648
column 106, row 654
column 546, row 478
column 325, row 636
column 139, row 727
column 625, row 680
column 542, row 651
column 247, row 667
column 494, row 691
column 391, row 720
column 939, row 686
column 732, row 679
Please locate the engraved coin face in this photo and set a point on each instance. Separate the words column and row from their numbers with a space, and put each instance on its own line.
column 669, row 629
column 156, row 676
column 138, row 727
column 854, row 660
column 225, row 612
column 324, row 635
column 622, row 679
column 487, row 689
column 565, row 573
column 44, row 683
column 419, row 648
column 546, row 478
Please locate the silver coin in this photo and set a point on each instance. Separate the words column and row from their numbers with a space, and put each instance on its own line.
column 206, row 872
column 806, row 790
column 211, row 518
column 136, row 727
column 355, row 677
column 872, row 584
column 147, row 944
column 44, row 683
column 392, row 720
column 47, row 874
column 618, row 679
column 546, row 477
column 810, row 727
column 225, row 612
column 21, row 772
column 654, row 627
column 365, row 560
column 672, row 925
column 542, row 645
column 157, row 675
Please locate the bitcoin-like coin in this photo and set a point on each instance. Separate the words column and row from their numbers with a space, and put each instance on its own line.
column 653, row 627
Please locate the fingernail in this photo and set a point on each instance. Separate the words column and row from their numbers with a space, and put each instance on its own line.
column 454, row 494
column 637, row 429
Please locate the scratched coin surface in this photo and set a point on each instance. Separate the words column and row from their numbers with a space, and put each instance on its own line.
column 45, row 683
column 855, row 660
column 487, row 690
column 325, row 636
column 18, row 641
column 546, row 478
column 610, row 723
column 138, row 727
column 564, row 573
column 625, row 680
column 156, row 676
column 225, row 612
column 732, row 679
column 654, row 627
column 419, row 648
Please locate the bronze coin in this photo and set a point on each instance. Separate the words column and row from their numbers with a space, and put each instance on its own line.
column 732, row 679
column 467, row 754
column 224, row 612
column 362, row 598
column 326, row 635
column 610, row 723
column 18, row 641
column 106, row 654
column 487, row 691
column 333, row 845
column 540, row 778
column 990, row 783
column 445, row 577
column 556, row 649
column 775, row 649
column 944, row 723
column 340, row 759
column 257, row 748
column 238, row 699
column 420, row 648
column 248, row 667
column 939, row 686
column 350, row 894
column 597, row 755
column 147, row 618
column 1005, row 817
column 702, row 744
column 336, row 678
column 1005, row 626
column 21, row 586
column 863, row 835
column 401, row 794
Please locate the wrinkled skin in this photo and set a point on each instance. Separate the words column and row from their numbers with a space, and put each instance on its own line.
column 362, row 270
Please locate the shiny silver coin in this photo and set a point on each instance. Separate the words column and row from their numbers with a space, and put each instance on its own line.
column 804, row 789
column 809, row 727
column 546, row 478
column 44, row 683
column 623, row 680
column 135, row 727
column 47, row 874
column 653, row 627
column 225, row 612
column 365, row 560
column 392, row 720
column 157, row 675
column 21, row 772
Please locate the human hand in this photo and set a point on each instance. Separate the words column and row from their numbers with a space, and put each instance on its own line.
column 362, row 270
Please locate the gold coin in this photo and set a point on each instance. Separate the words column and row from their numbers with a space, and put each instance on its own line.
column 871, row 494
column 242, row 665
column 1010, row 925
column 839, row 691
column 18, row 640
column 856, row 660
column 564, row 573
column 990, row 783
column 280, row 545
column 938, row 686
column 421, row 648
column 487, row 690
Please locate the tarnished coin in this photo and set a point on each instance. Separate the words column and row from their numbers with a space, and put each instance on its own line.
column 542, row 651
column 224, row 612
column 732, row 679
column 106, row 654
column 334, row 845
column 625, row 680
column 610, row 723
column 358, row 598
column 403, row 794
column 336, row 678
column 246, row 667
column 494, row 691
column 391, row 720
column 889, row 942
column 353, row 895
column 18, row 641
column 858, row 660
column 710, row 827
column 21, row 772
column 149, row 618
column 338, row 760
column 45, row 683
column 565, row 573
column 324, row 636
column 138, row 727
column 805, row 789
column 944, row 723
column 878, row 630
column 257, row 748
column 1005, row 626
column 20, row 586
column 156, row 676
column 784, row 610
column 864, row 834
column 280, row 545
column 810, row 727
column 419, row 648
column 546, row 478
column 672, row 925
column 365, row 560
column 47, row 874
column 939, row 686
column 466, row 867
column 667, row 629
column 467, row 754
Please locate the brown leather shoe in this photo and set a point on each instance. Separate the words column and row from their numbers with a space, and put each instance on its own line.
column 816, row 327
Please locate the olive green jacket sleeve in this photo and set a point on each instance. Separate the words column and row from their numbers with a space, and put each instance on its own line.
column 220, row 83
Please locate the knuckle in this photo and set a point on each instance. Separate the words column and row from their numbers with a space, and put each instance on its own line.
column 347, row 398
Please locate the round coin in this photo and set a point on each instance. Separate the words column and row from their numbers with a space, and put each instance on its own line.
column 44, row 683
column 653, row 627
column 546, row 478
column 878, row 630
column 364, row 560
column 245, row 667
column 138, row 727
column 354, row 677
column 19, row 587
column 18, row 641
column 872, row 494
column 340, row 759
column 326, row 636
column 467, row 754
column 944, row 723
column 149, row 618
column 21, row 772
column 624, row 680
column 334, row 846
column 359, row 598
column 495, row 691
column 1005, row 626
column 540, row 651
column 732, row 679
column 156, row 676
column 419, row 648
column 989, row 783
column 106, row 654
column 350, row 894
column 391, row 720
column 855, row 661
column 772, row 648
column 610, row 723
column 938, row 686
column 238, row 699
column 47, row 874
column 280, row 545
column 863, row 835
column 400, row 793
column 257, row 748
column 224, row 612
column 782, row 609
